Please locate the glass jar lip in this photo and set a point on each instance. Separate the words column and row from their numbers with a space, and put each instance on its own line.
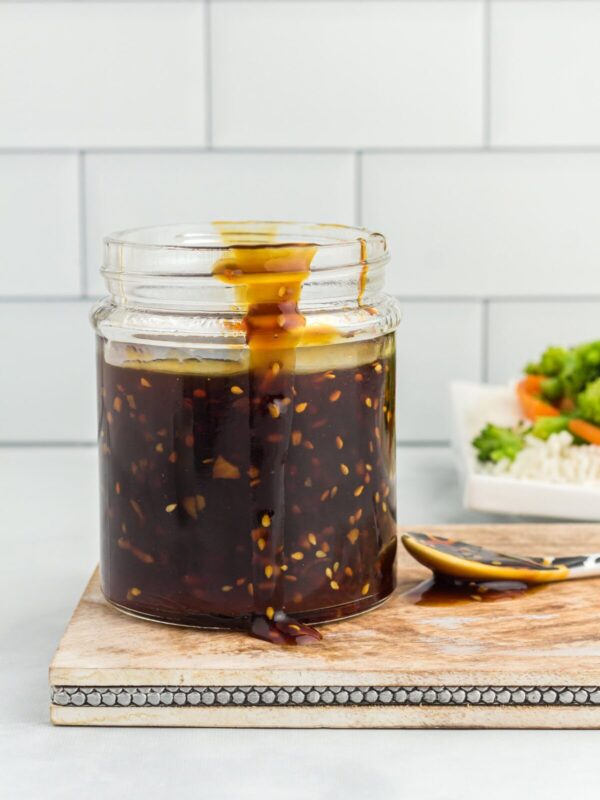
column 194, row 248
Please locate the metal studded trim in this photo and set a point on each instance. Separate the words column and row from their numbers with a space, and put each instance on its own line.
column 167, row 696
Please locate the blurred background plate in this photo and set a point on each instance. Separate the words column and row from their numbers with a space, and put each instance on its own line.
column 475, row 404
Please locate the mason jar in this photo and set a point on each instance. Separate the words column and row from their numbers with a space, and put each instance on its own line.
column 246, row 396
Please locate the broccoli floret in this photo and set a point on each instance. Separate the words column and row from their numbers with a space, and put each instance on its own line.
column 495, row 443
column 551, row 363
column 544, row 427
column 588, row 402
column 567, row 371
column 582, row 366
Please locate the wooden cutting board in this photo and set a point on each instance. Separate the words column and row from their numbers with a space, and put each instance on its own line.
column 527, row 662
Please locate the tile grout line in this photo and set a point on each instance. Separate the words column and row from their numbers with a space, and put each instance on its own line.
column 487, row 75
column 310, row 150
column 485, row 340
column 83, row 282
column 208, row 73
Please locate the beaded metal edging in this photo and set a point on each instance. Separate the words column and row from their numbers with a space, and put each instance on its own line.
column 277, row 696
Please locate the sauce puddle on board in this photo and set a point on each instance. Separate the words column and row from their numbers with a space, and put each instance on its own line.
column 441, row 590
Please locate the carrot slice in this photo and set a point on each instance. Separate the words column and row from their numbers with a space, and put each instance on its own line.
column 532, row 406
column 533, row 383
column 585, row 430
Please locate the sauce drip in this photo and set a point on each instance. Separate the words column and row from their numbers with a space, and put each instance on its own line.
column 441, row 590
column 269, row 278
column 364, row 271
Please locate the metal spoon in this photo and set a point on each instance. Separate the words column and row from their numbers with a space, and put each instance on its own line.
column 473, row 563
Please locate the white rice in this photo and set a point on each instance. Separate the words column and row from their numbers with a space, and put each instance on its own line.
column 556, row 460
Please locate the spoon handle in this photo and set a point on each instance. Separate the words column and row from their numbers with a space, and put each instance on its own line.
column 578, row 566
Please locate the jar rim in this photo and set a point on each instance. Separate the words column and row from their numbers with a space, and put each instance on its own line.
column 194, row 248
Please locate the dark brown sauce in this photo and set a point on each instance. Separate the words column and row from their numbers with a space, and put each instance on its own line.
column 441, row 590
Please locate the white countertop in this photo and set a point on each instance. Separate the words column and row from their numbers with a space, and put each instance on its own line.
column 48, row 524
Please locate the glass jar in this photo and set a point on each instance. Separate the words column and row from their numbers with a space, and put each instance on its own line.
column 246, row 378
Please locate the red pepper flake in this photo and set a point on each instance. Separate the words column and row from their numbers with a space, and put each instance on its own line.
column 199, row 393
column 335, row 396
column 117, row 404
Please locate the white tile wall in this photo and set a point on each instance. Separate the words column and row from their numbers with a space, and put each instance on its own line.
column 39, row 225
column 466, row 130
column 48, row 368
column 436, row 343
column 485, row 224
column 350, row 74
column 130, row 190
column 546, row 73
column 520, row 332
column 100, row 74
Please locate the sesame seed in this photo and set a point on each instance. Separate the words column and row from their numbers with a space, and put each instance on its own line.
column 334, row 491
column 335, row 396
column 339, row 442
column 270, row 612
column 265, row 520
column 384, row 507
column 328, row 572
column 276, row 367
column 282, row 291
column 135, row 591
column 368, row 402
column 300, row 407
column 334, row 585
column 160, row 447
column 321, row 554
column 298, row 556
column 312, row 538
column 336, row 566
column 117, row 404
column 226, row 588
column 170, row 508
column 358, row 491
column 353, row 535
column 365, row 589
column 296, row 437
column 377, row 367
column 236, row 390
column 145, row 382
column 274, row 410
column 325, row 495
column 268, row 571
column 344, row 469
column 261, row 543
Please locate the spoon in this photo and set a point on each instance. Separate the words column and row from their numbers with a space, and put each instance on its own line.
column 473, row 563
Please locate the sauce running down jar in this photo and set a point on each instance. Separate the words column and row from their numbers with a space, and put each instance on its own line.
column 246, row 376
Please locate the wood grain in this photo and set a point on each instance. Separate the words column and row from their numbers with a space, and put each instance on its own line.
column 547, row 637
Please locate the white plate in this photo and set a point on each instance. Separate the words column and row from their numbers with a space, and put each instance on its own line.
column 474, row 404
